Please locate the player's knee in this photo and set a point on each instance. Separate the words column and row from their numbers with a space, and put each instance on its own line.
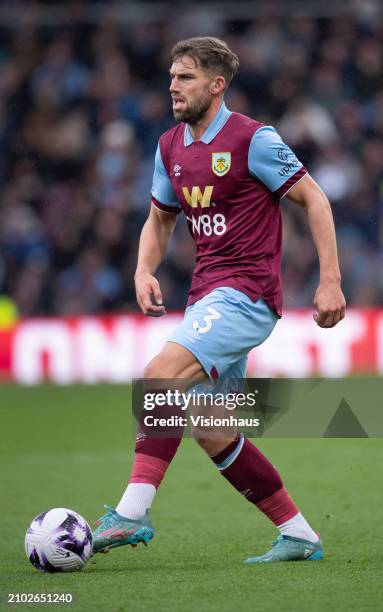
column 211, row 442
column 203, row 439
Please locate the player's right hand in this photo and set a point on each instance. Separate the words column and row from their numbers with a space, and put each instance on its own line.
column 149, row 296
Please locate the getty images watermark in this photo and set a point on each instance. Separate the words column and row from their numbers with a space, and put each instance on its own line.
column 191, row 402
column 260, row 407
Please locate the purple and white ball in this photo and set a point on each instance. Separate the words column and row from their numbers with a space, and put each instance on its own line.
column 59, row 540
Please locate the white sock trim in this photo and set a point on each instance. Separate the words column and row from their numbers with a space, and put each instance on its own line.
column 232, row 457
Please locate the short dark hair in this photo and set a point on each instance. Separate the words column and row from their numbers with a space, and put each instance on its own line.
column 210, row 53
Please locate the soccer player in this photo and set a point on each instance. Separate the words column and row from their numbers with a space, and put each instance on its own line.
column 227, row 173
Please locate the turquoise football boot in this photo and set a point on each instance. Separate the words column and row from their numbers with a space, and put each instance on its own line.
column 286, row 548
column 115, row 530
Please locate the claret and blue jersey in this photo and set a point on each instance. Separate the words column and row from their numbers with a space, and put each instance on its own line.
column 229, row 184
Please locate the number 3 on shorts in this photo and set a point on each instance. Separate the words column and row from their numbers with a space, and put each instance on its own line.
column 208, row 318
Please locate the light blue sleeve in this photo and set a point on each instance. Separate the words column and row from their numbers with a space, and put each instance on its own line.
column 270, row 159
column 162, row 189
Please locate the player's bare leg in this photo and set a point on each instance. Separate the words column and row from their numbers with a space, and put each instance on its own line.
column 130, row 522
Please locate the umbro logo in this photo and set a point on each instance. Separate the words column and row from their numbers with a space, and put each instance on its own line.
column 177, row 170
column 140, row 436
column 246, row 492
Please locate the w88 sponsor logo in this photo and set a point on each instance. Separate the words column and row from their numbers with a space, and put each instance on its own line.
column 206, row 225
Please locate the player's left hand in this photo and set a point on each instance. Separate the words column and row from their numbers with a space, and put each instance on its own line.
column 330, row 304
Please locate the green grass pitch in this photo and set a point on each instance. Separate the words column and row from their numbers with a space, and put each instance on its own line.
column 73, row 447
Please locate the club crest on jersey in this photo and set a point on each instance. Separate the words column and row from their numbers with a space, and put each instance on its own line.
column 221, row 163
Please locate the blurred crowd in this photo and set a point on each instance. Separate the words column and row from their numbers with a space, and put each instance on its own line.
column 81, row 111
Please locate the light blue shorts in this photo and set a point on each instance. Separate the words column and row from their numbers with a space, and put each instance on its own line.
column 221, row 328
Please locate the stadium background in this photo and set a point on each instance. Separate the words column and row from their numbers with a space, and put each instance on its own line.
column 83, row 100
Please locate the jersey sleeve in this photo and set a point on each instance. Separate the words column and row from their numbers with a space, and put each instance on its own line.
column 273, row 162
column 163, row 196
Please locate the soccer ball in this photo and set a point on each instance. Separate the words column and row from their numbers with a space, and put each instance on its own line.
column 59, row 540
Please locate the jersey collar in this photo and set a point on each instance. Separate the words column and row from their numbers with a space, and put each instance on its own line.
column 211, row 132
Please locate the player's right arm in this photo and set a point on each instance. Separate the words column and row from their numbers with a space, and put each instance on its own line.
column 154, row 240
column 153, row 247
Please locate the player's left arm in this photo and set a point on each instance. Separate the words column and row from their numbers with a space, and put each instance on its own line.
column 329, row 300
